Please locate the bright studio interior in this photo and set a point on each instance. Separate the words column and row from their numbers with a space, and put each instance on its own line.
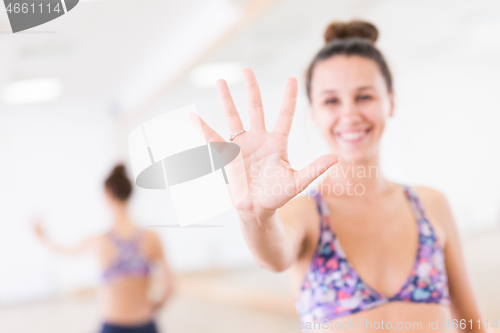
column 122, row 62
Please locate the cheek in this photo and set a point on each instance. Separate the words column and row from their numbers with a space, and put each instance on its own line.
column 376, row 115
column 323, row 120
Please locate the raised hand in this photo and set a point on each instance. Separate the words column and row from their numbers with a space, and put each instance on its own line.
column 38, row 228
column 271, row 180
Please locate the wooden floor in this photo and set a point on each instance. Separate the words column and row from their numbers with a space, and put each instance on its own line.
column 245, row 300
column 248, row 300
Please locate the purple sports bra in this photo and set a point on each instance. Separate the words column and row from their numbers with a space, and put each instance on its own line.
column 129, row 259
column 332, row 288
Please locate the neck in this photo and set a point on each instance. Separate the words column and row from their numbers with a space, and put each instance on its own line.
column 122, row 219
column 355, row 178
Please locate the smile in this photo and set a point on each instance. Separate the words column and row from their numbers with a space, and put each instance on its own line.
column 352, row 136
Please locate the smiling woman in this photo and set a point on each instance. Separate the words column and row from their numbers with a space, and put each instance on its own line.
column 400, row 258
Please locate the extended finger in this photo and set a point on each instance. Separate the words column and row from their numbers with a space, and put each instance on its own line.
column 203, row 129
column 287, row 110
column 231, row 115
column 254, row 100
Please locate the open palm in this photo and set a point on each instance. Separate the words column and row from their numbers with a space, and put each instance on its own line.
column 270, row 178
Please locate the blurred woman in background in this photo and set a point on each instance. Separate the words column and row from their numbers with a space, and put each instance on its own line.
column 127, row 255
column 400, row 264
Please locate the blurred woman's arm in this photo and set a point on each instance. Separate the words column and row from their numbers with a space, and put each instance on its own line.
column 167, row 277
column 83, row 246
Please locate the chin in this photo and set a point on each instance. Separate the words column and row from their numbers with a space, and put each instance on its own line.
column 354, row 156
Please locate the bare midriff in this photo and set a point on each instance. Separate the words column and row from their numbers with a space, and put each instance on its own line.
column 125, row 301
column 399, row 316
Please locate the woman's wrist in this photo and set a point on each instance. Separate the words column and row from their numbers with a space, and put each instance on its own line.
column 261, row 218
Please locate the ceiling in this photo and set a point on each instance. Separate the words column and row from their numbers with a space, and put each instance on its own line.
column 288, row 34
column 94, row 48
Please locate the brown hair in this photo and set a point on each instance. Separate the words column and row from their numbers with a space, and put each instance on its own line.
column 118, row 183
column 352, row 38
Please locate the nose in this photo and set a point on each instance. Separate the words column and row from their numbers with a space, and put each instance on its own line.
column 349, row 111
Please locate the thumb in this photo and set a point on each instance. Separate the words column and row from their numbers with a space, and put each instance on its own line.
column 309, row 173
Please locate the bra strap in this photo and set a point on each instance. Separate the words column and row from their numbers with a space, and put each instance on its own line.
column 416, row 205
column 317, row 199
column 321, row 208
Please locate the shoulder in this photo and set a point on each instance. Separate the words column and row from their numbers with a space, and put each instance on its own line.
column 150, row 234
column 434, row 201
column 150, row 238
column 429, row 192
column 437, row 209
column 301, row 208
column 152, row 242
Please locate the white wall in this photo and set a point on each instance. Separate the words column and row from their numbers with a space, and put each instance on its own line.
column 54, row 159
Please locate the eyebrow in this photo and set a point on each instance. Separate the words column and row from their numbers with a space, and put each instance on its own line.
column 334, row 91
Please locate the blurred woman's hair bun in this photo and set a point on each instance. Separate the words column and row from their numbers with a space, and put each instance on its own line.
column 119, row 169
column 118, row 183
column 353, row 29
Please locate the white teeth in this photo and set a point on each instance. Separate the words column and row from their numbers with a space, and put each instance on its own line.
column 351, row 136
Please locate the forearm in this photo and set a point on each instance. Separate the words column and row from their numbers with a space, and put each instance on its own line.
column 169, row 289
column 165, row 295
column 268, row 241
column 59, row 248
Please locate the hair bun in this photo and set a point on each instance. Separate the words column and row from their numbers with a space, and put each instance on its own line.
column 119, row 169
column 343, row 30
column 118, row 183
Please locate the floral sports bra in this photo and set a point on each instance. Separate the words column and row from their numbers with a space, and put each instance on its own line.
column 332, row 288
column 129, row 260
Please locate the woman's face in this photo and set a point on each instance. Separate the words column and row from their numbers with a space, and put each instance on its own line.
column 350, row 104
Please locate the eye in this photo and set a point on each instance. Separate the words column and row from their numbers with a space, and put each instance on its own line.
column 332, row 100
column 364, row 97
